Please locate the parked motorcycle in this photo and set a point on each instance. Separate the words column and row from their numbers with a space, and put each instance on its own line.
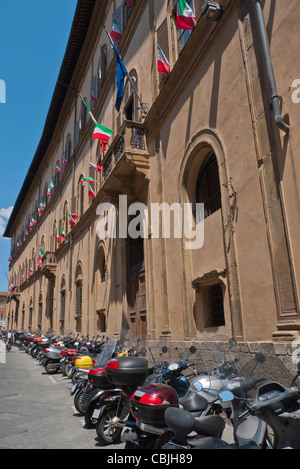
column 275, row 402
column 140, row 386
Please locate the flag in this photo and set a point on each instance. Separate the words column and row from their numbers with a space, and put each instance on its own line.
column 30, row 270
column 51, row 185
column 185, row 18
column 89, row 179
column 58, row 168
column 163, row 65
column 58, row 238
column 121, row 73
column 72, row 218
column 91, row 192
column 102, row 133
column 42, row 252
column 88, row 109
column 96, row 166
column 115, row 32
column 64, row 160
column 62, row 233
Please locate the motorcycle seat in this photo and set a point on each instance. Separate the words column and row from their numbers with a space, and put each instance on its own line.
column 192, row 402
column 182, row 423
column 210, row 425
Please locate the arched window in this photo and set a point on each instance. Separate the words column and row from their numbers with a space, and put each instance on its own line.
column 68, row 149
column 102, row 66
column 62, row 298
column 80, row 196
column 208, row 185
column 101, row 263
column 78, row 292
column 130, row 97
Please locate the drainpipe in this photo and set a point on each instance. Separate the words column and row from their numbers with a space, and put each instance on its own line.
column 275, row 99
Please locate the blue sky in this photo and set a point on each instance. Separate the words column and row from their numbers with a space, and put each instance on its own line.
column 33, row 40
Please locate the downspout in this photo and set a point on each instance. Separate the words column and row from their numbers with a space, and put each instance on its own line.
column 275, row 99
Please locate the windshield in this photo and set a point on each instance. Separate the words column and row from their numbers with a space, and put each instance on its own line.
column 107, row 352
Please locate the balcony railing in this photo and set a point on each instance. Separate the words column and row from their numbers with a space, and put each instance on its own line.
column 49, row 264
column 129, row 146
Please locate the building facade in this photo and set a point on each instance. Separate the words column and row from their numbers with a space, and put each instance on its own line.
column 218, row 130
column 3, row 307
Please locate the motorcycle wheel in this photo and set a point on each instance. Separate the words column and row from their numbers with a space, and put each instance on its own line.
column 77, row 401
column 88, row 416
column 51, row 370
column 106, row 432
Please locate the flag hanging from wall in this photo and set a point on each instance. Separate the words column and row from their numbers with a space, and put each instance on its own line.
column 115, row 32
column 102, row 133
column 42, row 252
column 91, row 193
column 89, row 179
column 72, row 218
column 163, row 65
column 97, row 167
column 62, row 233
column 121, row 74
column 185, row 18
column 58, row 168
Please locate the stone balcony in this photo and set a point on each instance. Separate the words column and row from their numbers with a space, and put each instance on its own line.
column 49, row 264
column 126, row 162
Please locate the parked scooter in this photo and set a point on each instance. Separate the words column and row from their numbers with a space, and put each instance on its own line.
column 276, row 403
column 140, row 386
column 101, row 397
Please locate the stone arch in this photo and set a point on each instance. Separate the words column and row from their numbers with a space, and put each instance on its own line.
column 203, row 142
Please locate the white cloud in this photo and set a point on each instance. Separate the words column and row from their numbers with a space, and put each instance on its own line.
column 4, row 216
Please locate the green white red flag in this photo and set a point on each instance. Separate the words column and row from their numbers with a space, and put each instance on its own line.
column 89, row 179
column 163, row 65
column 185, row 18
column 102, row 133
column 91, row 193
column 62, row 233
column 72, row 218
column 115, row 32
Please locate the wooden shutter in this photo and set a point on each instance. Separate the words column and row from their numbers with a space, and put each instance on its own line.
column 163, row 39
column 93, row 90
column 76, row 133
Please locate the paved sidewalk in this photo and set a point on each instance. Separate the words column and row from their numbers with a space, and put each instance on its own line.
column 37, row 410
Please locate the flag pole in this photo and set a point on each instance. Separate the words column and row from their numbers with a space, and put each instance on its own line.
column 129, row 78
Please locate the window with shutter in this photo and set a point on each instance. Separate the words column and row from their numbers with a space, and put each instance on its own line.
column 76, row 133
column 93, row 91
column 78, row 299
column 62, row 304
column 163, row 39
column 102, row 66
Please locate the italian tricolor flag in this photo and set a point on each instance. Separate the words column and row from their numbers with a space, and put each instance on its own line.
column 102, row 133
column 91, row 192
column 96, row 166
column 163, row 65
column 185, row 18
column 72, row 218
column 115, row 32
column 62, row 233
column 89, row 179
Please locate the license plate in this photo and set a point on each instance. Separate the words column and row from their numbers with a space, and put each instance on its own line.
column 97, row 413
